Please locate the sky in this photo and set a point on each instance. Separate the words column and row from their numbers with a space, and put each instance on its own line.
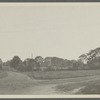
column 64, row 31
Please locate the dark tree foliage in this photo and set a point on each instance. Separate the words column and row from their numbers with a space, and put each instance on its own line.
column 55, row 63
column 30, row 65
column 21, row 67
column 1, row 64
column 92, row 58
column 7, row 63
column 94, row 64
column 15, row 62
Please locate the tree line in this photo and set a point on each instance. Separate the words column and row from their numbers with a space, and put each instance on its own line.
column 90, row 60
column 43, row 64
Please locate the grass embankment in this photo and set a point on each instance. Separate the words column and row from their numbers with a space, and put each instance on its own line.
column 62, row 74
column 14, row 83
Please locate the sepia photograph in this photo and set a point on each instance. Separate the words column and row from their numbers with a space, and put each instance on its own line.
column 50, row 49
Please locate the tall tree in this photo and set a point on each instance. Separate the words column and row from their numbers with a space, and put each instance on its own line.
column 15, row 62
column 39, row 60
column 31, row 64
column 83, row 58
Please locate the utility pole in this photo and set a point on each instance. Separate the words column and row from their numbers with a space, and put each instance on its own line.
column 32, row 55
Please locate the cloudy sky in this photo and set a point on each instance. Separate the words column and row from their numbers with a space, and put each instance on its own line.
column 65, row 31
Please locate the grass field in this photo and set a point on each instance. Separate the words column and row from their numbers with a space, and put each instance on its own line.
column 90, row 86
column 45, row 83
column 76, row 82
column 62, row 74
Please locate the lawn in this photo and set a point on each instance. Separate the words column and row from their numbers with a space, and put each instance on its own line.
column 62, row 74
